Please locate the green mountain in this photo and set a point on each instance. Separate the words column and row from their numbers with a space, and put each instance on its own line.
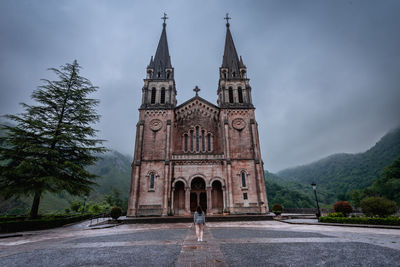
column 341, row 173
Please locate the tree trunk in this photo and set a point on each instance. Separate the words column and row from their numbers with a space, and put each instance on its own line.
column 35, row 205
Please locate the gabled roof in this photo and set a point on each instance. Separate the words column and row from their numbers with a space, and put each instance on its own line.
column 161, row 59
column 196, row 97
column 197, row 106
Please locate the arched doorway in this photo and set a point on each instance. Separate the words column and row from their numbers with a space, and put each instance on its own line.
column 179, row 198
column 217, row 197
column 198, row 195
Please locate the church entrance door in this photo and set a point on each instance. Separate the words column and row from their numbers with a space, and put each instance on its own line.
column 198, row 195
column 179, row 198
column 217, row 197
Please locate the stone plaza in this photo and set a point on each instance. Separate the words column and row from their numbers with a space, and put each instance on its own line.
column 261, row 243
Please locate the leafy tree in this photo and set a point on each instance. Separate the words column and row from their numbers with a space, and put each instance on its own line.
column 53, row 141
column 388, row 185
column 343, row 207
column 378, row 206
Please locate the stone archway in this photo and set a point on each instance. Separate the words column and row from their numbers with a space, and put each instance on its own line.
column 198, row 194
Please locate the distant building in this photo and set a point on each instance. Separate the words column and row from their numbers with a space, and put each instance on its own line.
column 197, row 153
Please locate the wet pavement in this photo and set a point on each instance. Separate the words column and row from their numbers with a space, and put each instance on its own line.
column 258, row 243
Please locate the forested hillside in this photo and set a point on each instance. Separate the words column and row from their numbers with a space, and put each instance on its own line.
column 114, row 171
column 341, row 173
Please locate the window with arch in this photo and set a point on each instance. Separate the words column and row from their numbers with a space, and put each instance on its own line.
column 209, row 142
column 153, row 95
column 152, row 177
column 203, row 141
column 191, row 141
column 158, row 74
column 168, row 74
column 240, row 95
column 197, row 140
column 243, row 178
column 186, row 142
column 230, row 95
column 162, row 98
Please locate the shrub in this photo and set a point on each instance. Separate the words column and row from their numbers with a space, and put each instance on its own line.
column 361, row 220
column 378, row 206
column 336, row 215
column 277, row 209
column 343, row 207
column 115, row 212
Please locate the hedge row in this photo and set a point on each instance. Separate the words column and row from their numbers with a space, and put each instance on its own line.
column 361, row 220
column 40, row 224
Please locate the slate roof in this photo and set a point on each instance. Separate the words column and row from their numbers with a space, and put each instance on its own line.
column 230, row 59
column 162, row 59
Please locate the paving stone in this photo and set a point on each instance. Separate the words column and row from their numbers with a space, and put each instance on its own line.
column 164, row 255
column 234, row 233
column 168, row 234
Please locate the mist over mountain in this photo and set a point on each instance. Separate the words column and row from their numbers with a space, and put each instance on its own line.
column 341, row 173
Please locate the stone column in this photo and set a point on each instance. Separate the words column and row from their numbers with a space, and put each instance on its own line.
column 172, row 200
column 166, row 170
column 223, row 198
column 209, row 202
column 187, row 200
column 136, row 170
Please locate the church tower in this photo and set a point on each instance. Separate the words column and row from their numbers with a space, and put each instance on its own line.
column 159, row 86
column 240, row 133
column 151, row 165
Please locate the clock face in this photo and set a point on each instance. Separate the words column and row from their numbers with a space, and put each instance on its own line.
column 155, row 125
column 238, row 124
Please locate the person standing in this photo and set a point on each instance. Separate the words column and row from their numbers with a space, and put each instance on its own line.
column 199, row 222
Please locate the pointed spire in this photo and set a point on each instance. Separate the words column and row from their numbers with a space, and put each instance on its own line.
column 231, row 59
column 161, row 59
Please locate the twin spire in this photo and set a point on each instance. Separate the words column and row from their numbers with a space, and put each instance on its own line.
column 162, row 61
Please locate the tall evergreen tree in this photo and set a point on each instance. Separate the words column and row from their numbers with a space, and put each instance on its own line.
column 53, row 141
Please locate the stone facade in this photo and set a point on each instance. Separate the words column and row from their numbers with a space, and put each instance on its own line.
column 197, row 153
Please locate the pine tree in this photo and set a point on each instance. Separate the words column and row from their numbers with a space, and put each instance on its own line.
column 53, row 141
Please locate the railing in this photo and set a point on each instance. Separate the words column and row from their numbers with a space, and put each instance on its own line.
column 197, row 156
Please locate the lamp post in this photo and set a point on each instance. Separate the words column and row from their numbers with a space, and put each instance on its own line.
column 314, row 187
column 84, row 203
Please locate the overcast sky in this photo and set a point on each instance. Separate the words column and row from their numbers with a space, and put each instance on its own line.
column 325, row 74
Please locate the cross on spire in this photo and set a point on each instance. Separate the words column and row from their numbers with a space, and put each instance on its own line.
column 227, row 18
column 164, row 17
column 196, row 89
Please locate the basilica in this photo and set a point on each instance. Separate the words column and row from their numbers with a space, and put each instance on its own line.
column 197, row 153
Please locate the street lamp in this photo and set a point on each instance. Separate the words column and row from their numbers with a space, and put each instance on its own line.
column 84, row 203
column 314, row 187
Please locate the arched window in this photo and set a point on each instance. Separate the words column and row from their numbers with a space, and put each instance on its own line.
column 186, row 142
column 158, row 74
column 191, row 141
column 197, row 140
column 240, row 95
column 230, row 95
column 162, row 99
column 151, row 184
column 234, row 74
column 203, row 141
column 209, row 142
column 168, row 74
column 243, row 175
column 153, row 95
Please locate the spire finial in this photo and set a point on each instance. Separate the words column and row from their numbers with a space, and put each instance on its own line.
column 196, row 89
column 227, row 18
column 164, row 18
